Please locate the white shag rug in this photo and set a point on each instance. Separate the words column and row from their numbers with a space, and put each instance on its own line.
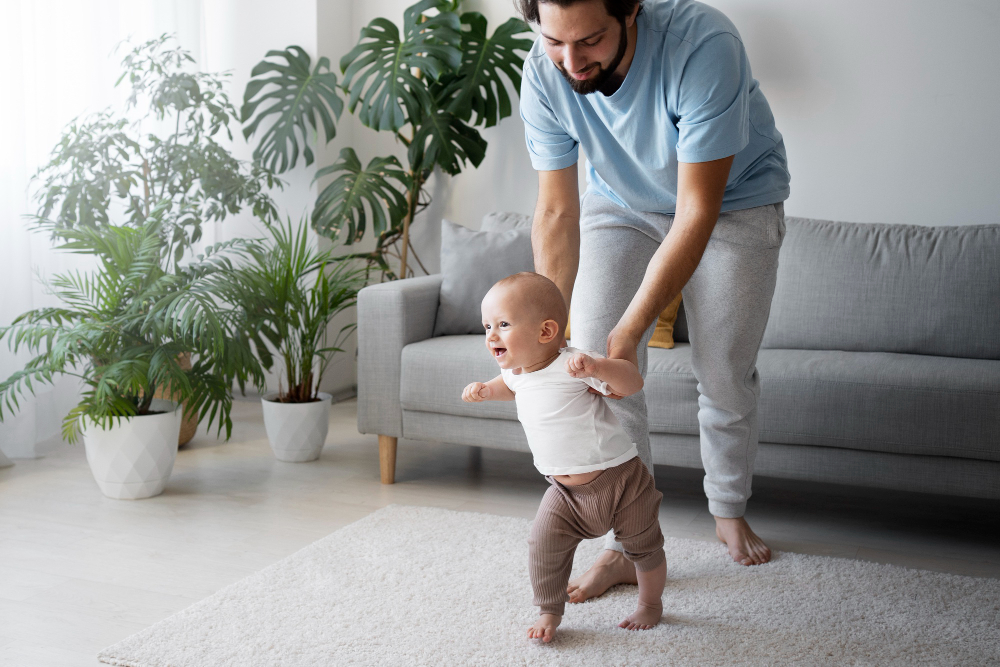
column 425, row 586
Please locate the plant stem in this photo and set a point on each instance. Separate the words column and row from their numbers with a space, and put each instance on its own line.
column 412, row 199
column 417, row 257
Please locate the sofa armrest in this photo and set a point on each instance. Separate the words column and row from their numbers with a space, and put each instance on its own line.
column 390, row 316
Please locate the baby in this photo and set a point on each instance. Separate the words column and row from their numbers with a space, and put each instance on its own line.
column 597, row 480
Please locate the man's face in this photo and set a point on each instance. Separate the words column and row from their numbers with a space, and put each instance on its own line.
column 584, row 41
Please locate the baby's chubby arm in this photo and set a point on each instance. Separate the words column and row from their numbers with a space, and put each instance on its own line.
column 494, row 390
column 622, row 376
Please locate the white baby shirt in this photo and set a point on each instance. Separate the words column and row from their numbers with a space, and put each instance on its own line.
column 569, row 429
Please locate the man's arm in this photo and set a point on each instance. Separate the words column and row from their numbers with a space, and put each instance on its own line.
column 700, row 188
column 555, row 230
column 494, row 390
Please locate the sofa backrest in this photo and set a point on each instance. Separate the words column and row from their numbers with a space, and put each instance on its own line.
column 888, row 288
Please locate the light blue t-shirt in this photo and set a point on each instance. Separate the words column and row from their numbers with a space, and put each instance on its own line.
column 688, row 96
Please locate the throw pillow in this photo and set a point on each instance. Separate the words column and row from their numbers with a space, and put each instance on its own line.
column 471, row 262
column 501, row 221
column 663, row 335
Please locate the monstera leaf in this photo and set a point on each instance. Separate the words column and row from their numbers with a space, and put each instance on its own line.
column 297, row 97
column 379, row 71
column 480, row 88
column 345, row 200
column 442, row 138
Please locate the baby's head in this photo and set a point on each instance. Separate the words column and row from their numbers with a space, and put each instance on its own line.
column 524, row 316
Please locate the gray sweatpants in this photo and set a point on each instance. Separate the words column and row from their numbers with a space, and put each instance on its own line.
column 727, row 302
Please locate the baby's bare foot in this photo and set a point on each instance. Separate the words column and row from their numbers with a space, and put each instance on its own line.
column 545, row 627
column 643, row 618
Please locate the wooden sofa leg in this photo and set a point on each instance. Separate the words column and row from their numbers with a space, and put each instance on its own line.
column 387, row 458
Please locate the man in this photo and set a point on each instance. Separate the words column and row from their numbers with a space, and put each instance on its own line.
column 686, row 178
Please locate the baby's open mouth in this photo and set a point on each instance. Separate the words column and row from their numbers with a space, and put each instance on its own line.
column 498, row 352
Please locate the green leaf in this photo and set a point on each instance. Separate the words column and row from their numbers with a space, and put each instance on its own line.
column 379, row 70
column 480, row 88
column 297, row 98
column 443, row 139
column 380, row 188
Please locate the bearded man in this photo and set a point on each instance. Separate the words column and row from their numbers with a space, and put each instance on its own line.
column 686, row 176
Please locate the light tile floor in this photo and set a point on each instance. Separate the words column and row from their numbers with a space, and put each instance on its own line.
column 79, row 571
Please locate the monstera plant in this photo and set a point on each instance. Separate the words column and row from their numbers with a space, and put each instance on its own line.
column 431, row 84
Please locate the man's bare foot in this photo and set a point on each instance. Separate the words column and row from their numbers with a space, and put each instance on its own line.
column 643, row 618
column 744, row 545
column 610, row 569
column 545, row 628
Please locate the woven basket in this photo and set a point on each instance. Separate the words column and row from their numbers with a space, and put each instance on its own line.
column 189, row 425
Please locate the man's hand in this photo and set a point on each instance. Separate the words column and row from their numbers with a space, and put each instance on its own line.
column 621, row 345
column 581, row 365
column 476, row 392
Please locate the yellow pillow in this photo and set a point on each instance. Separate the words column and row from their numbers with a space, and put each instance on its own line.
column 663, row 335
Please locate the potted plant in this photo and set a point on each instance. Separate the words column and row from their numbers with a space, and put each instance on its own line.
column 164, row 151
column 121, row 330
column 289, row 294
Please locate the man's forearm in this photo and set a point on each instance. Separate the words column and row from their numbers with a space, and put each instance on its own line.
column 555, row 244
column 700, row 190
column 671, row 266
column 555, row 230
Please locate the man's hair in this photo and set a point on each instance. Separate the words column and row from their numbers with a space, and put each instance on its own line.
column 543, row 297
column 619, row 9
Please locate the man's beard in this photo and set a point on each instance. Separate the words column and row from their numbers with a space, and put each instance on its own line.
column 606, row 80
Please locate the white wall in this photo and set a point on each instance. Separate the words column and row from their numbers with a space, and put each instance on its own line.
column 888, row 107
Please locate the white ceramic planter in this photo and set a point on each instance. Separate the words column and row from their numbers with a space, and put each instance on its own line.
column 134, row 458
column 296, row 431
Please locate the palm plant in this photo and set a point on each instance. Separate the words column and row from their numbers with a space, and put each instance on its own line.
column 111, row 161
column 120, row 330
column 288, row 295
column 430, row 84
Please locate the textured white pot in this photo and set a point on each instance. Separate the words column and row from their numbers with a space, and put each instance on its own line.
column 134, row 458
column 297, row 431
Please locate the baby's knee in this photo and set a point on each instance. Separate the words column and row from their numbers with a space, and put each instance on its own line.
column 647, row 561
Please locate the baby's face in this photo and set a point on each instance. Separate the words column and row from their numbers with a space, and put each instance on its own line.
column 512, row 334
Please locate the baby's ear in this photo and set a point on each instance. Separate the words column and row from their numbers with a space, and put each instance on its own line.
column 549, row 332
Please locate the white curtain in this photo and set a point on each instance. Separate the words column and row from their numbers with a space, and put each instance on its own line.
column 59, row 63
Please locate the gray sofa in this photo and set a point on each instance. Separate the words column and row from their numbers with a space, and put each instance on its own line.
column 880, row 365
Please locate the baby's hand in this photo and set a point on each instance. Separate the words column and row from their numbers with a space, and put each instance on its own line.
column 581, row 365
column 476, row 392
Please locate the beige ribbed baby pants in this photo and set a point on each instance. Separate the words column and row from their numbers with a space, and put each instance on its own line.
column 623, row 499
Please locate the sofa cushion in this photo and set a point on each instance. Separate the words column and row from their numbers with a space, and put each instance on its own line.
column 471, row 262
column 502, row 221
column 895, row 403
column 888, row 288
